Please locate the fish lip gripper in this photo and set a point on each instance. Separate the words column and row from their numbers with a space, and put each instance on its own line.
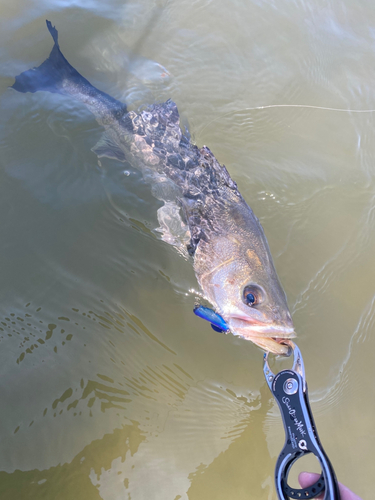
column 289, row 388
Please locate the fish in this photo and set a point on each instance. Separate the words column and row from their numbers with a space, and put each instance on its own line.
column 231, row 257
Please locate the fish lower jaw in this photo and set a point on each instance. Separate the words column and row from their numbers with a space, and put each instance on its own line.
column 265, row 331
column 275, row 346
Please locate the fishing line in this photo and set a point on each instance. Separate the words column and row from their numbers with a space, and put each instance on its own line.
column 306, row 106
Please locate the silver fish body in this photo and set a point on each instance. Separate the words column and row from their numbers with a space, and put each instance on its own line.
column 232, row 260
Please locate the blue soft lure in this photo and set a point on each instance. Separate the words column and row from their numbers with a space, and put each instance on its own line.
column 217, row 322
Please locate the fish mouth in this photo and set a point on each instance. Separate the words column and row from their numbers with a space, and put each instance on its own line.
column 268, row 336
column 250, row 329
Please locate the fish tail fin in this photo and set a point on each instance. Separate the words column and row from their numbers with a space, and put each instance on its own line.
column 53, row 31
column 51, row 74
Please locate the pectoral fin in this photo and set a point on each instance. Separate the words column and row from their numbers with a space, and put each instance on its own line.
column 106, row 147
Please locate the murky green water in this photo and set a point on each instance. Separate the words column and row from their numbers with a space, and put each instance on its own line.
column 110, row 386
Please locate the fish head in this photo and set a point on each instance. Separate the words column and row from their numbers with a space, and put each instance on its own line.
column 245, row 290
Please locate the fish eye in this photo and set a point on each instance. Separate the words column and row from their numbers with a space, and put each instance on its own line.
column 250, row 299
column 252, row 295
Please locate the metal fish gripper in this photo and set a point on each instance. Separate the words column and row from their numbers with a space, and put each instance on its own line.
column 289, row 388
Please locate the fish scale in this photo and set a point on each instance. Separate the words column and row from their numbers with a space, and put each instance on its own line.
column 158, row 142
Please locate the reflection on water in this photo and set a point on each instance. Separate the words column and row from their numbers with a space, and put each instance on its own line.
column 106, row 429
column 73, row 479
column 111, row 388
